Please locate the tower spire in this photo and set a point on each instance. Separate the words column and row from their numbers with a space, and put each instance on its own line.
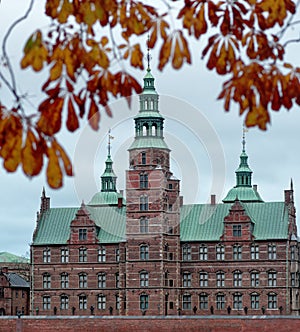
column 245, row 130
column 108, row 178
column 110, row 137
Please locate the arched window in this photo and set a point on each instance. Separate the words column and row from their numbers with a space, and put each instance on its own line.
column 144, row 181
column 64, row 280
column 203, row 279
column 220, row 276
column 237, row 278
column 237, row 252
column 272, row 300
column 187, row 279
column 82, row 280
column 102, row 280
column 144, row 158
column 82, row 299
column 220, row 301
column 46, row 280
column 237, row 301
column 144, row 223
column 144, row 252
column 203, row 301
column 145, row 130
column 101, row 300
column 144, row 301
column 220, row 252
column 144, row 203
column 254, row 299
column 64, row 302
column 144, row 279
column 186, row 252
column 203, row 252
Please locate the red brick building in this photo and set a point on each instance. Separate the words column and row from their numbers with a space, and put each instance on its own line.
column 14, row 294
column 152, row 255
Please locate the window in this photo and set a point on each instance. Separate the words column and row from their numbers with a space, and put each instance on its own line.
column 220, row 301
column 220, row 252
column 82, row 302
column 64, row 302
column 144, row 279
column 237, row 230
column 144, row 252
column 46, row 280
column 272, row 251
column 144, row 203
column 186, row 253
column 64, row 280
column 1, row 292
column 203, row 301
column 293, row 279
column 143, row 180
column 101, row 280
column 237, row 279
column 254, row 298
column 144, row 225
column 237, row 252
column 82, row 255
column 117, row 279
column 143, row 158
column 144, row 302
column 293, row 253
column 254, row 276
column 203, row 252
column 101, row 254
column 82, row 280
column 187, row 279
column 272, row 301
column 203, row 279
column 64, row 255
column 101, row 302
column 117, row 255
column 272, row 278
column 254, row 251
column 237, row 301
column 220, row 279
column 186, row 302
column 46, row 303
column 82, row 234
column 47, row 255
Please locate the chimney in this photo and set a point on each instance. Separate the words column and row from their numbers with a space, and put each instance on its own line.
column 120, row 202
column 45, row 202
column 180, row 201
column 213, row 199
column 255, row 187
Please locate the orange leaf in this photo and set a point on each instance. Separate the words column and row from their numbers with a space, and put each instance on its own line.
column 94, row 115
column 72, row 120
column 32, row 155
column 54, row 173
column 63, row 156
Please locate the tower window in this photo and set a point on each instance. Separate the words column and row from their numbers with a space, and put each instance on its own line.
column 143, row 158
column 143, row 181
column 144, row 225
column 82, row 234
column 144, row 203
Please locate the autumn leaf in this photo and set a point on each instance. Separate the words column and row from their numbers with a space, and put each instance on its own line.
column 72, row 120
column 32, row 154
column 35, row 52
column 94, row 115
column 54, row 172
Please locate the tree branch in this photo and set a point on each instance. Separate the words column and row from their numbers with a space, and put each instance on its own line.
column 12, row 86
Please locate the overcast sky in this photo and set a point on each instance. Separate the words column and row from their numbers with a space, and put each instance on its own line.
column 205, row 141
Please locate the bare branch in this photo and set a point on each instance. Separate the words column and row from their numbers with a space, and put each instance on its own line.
column 12, row 86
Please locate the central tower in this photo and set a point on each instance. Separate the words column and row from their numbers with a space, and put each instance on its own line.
column 153, row 214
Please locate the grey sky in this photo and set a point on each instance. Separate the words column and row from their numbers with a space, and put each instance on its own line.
column 273, row 155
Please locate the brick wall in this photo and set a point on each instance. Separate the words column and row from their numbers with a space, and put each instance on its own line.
column 204, row 324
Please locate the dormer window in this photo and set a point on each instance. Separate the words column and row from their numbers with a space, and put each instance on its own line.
column 237, row 230
column 82, row 234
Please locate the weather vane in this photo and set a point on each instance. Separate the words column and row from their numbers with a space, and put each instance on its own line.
column 148, row 53
column 245, row 130
column 110, row 137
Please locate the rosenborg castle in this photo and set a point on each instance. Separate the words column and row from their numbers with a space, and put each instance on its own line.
column 150, row 254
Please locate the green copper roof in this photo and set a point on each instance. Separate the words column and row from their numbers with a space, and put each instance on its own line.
column 54, row 225
column 199, row 222
column 105, row 198
column 6, row 257
column 148, row 142
column 203, row 222
column 244, row 194
column 148, row 114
